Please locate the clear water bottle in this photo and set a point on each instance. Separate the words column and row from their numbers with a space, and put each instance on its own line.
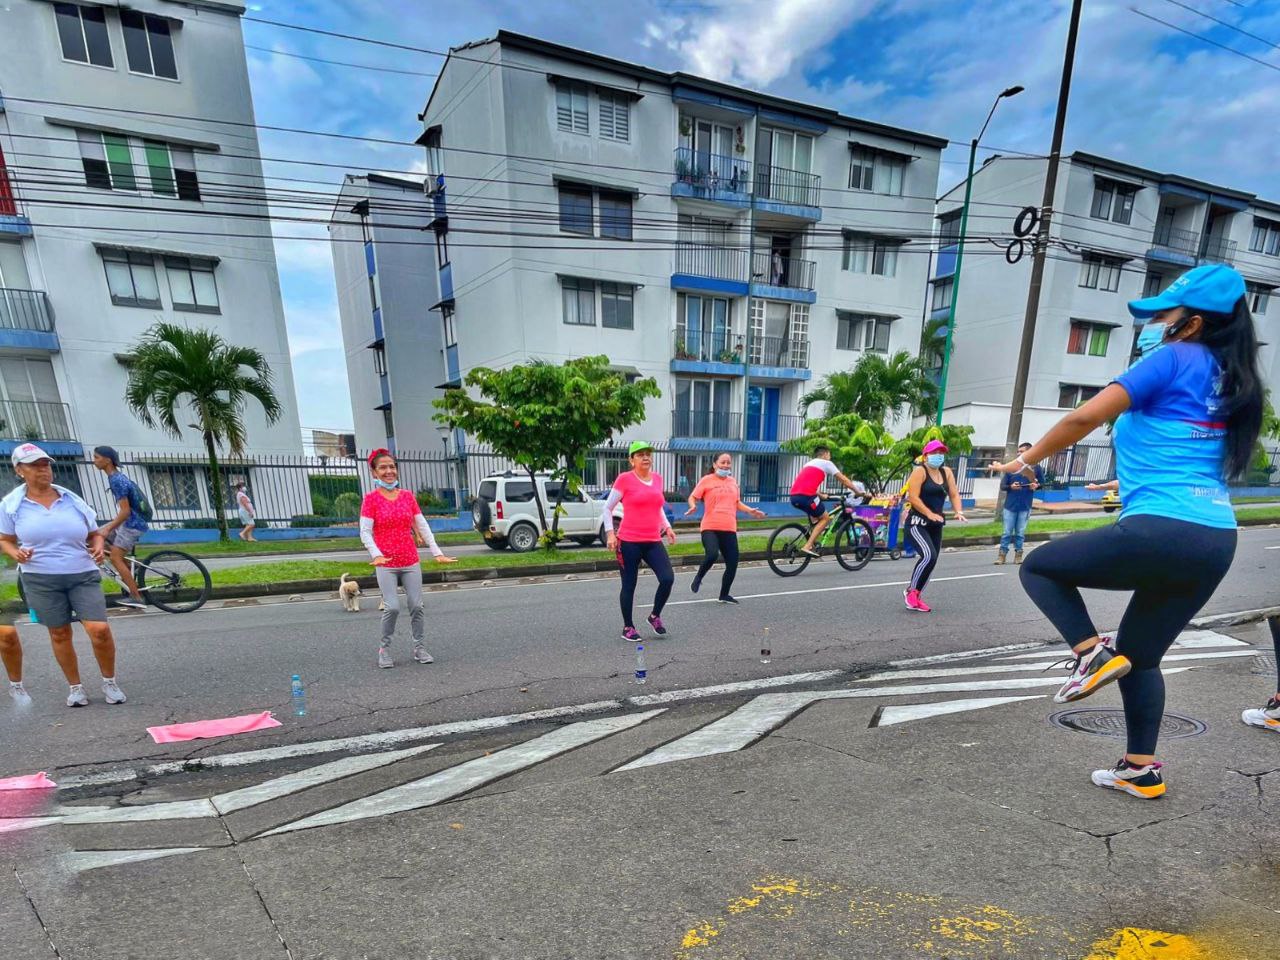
column 299, row 697
column 766, row 652
column 642, row 673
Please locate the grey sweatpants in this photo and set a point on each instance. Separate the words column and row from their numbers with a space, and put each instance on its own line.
column 411, row 579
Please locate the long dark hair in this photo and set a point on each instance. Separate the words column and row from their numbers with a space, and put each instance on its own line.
column 1234, row 342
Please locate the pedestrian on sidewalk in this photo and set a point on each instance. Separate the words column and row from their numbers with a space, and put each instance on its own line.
column 248, row 516
column 126, row 528
column 1019, row 489
column 722, row 500
column 54, row 537
column 391, row 527
column 11, row 657
column 639, row 539
column 1189, row 413
column 1268, row 717
column 929, row 486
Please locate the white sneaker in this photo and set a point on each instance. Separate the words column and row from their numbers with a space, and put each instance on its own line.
column 384, row 658
column 131, row 603
column 76, row 697
column 420, row 655
column 111, row 690
column 19, row 694
column 1268, row 718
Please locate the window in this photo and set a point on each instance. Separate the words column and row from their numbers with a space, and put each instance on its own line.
column 83, row 34
column 388, row 423
column 855, row 331
column 191, row 284
column 617, row 306
column 949, row 229
column 579, row 297
column 1112, row 201
column 131, row 278
column 615, row 215
column 172, row 170
column 1088, row 338
column 1265, row 237
column 1153, row 284
column 876, row 171
column 942, row 291
column 615, row 116
column 174, row 487
column 571, row 107
column 107, row 161
column 442, row 247
column 1071, row 395
column 374, row 302
column 1258, row 296
column 450, row 327
column 518, row 491
column 1100, row 273
column 148, row 44
column 873, row 255
column 575, row 210
column 380, row 360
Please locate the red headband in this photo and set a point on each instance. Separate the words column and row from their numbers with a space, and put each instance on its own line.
column 380, row 452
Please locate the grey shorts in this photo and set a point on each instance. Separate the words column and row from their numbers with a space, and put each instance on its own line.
column 125, row 538
column 246, row 519
column 59, row 598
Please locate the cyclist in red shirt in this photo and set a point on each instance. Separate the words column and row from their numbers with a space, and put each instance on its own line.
column 804, row 493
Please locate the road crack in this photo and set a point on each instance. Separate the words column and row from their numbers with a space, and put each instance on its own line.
column 36, row 912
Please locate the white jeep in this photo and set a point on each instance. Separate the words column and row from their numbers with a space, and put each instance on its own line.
column 505, row 513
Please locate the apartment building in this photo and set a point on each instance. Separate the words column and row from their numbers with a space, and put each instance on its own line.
column 1119, row 232
column 735, row 246
column 130, row 193
column 387, row 289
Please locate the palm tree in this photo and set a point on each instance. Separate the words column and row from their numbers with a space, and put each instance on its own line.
column 875, row 387
column 933, row 339
column 176, row 372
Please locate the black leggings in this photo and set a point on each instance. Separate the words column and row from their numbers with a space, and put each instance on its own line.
column 927, row 539
column 1274, row 624
column 1171, row 566
column 716, row 542
column 630, row 556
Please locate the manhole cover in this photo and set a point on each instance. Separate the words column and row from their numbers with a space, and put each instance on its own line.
column 1110, row 723
column 1264, row 664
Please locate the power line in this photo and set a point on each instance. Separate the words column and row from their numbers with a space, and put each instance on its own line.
column 340, row 63
column 1205, row 39
column 1224, row 23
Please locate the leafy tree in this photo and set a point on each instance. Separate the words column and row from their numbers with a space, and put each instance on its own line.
column 866, row 451
column 176, row 373
column 876, row 387
column 933, row 342
column 546, row 417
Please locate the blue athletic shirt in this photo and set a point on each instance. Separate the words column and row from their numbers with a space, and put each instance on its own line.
column 1169, row 444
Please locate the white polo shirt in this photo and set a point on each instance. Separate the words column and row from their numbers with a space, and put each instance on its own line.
column 57, row 535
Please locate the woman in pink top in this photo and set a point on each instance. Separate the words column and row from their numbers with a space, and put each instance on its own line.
column 390, row 523
column 639, row 540
column 721, row 500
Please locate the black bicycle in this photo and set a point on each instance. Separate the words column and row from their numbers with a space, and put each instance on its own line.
column 848, row 536
column 170, row 580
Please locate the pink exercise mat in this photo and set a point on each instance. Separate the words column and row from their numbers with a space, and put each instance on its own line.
column 204, row 729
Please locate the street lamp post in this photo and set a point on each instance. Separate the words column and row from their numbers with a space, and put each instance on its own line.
column 964, row 226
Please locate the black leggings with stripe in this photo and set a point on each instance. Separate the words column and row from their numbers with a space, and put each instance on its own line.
column 927, row 540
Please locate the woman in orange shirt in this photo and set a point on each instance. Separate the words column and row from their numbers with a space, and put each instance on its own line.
column 721, row 500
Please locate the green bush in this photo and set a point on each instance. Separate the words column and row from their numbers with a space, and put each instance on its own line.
column 308, row 520
column 322, row 505
column 329, row 487
column 200, row 523
column 346, row 506
column 428, row 502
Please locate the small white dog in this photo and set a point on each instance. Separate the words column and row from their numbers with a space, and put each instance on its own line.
column 349, row 594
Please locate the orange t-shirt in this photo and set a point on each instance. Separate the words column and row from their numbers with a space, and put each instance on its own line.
column 719, row 496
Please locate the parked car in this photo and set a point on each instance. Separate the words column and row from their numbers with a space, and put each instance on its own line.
column 505, row 513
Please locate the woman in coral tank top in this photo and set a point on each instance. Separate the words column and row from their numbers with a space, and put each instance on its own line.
column 639, row 540
column 721, row 500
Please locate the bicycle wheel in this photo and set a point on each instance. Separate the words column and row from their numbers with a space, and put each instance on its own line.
column 175, row 582
column 783, row 550
column 855, row 543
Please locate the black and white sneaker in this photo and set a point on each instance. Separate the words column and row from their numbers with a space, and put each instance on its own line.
column 1145, row 782
column 1092, row 671
column 1268, row 718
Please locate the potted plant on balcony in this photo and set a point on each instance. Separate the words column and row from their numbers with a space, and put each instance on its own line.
column 729, row 356
column 682, row 352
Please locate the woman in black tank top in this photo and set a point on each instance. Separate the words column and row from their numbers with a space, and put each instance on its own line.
column 930, row 486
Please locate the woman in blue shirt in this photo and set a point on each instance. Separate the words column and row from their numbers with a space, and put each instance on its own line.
column 1189, row 413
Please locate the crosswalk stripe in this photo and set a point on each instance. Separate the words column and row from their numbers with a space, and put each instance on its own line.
column 81, row 861
column 1188, row 639
column 906, row 712
column 468, row 776
column 1024, row 667
column 849, row 586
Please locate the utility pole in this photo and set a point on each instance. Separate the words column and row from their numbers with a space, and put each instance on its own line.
column 1013, row 437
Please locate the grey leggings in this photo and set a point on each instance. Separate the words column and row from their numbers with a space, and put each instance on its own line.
column 411, row 579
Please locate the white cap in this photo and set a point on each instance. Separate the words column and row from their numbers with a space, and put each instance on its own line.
column 29, row 453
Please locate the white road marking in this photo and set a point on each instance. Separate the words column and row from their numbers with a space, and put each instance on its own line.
column 906, row 712
column 172, row 810
column 468, row 776
column 1276, row 547
column 1188, row 639
column 672, row 696
column 972, row 654
column 851, row 586
column 1024, row 667
column 79, row 862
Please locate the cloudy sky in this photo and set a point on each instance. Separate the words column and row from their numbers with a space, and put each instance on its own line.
column 1144, row 92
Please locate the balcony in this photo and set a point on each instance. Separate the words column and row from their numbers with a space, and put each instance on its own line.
column 26, row 322
column 35, row 420
column 776, row 429
column 783, row 278
column 697, row 346
column 721, row 353
column 710, row 268
column 1172, row 245
column 763, row 433
column 788, row 192
column 780, row 354
column 1218, row 250
column 712, row 177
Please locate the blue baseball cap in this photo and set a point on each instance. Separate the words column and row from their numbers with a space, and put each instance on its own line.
column 1215, row 288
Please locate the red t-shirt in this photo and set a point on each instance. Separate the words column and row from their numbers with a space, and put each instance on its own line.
column 642, row 508
column 393, row 526
column 812, row 476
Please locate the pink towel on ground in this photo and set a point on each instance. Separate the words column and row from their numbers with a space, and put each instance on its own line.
column 32, row 781
column 203, row 729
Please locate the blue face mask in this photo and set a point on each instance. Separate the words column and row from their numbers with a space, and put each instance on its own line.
column 723, row 473
column 934, row 460
column 1150, row 337
column 384, row 485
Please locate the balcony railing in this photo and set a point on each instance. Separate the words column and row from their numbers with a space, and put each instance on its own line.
column 712, row 173
column 788, row 186
column 780, row 271
column 1172, row 240
column 776, row 429
column 1218, row 250
column 25, row 310
column 708, row 346
column 713, row 424
column 35, row 420
column 711, row 260
column 779, row 351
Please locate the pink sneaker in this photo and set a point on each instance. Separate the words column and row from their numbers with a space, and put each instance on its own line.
column 913, row 601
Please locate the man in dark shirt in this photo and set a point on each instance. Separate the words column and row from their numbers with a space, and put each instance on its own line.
column 1018, row 490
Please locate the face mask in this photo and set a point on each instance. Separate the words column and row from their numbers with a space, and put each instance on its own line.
column 934, row 459
column 1150, row 337
column 384, row 485
column 723, row 473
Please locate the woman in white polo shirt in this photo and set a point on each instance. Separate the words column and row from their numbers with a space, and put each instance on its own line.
column 53, row 535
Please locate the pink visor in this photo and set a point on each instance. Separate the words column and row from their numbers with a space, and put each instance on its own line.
column 935, row 446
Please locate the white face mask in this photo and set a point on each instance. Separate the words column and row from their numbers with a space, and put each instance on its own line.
column 721, row 472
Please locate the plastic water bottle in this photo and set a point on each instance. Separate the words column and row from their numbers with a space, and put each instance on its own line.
column 642, row 673
column 766, row 654
column 32, row 614
column 299, row 697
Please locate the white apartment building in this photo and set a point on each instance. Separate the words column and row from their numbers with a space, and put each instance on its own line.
column 123, row 203
column 1119, row 232
column 733, row 245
